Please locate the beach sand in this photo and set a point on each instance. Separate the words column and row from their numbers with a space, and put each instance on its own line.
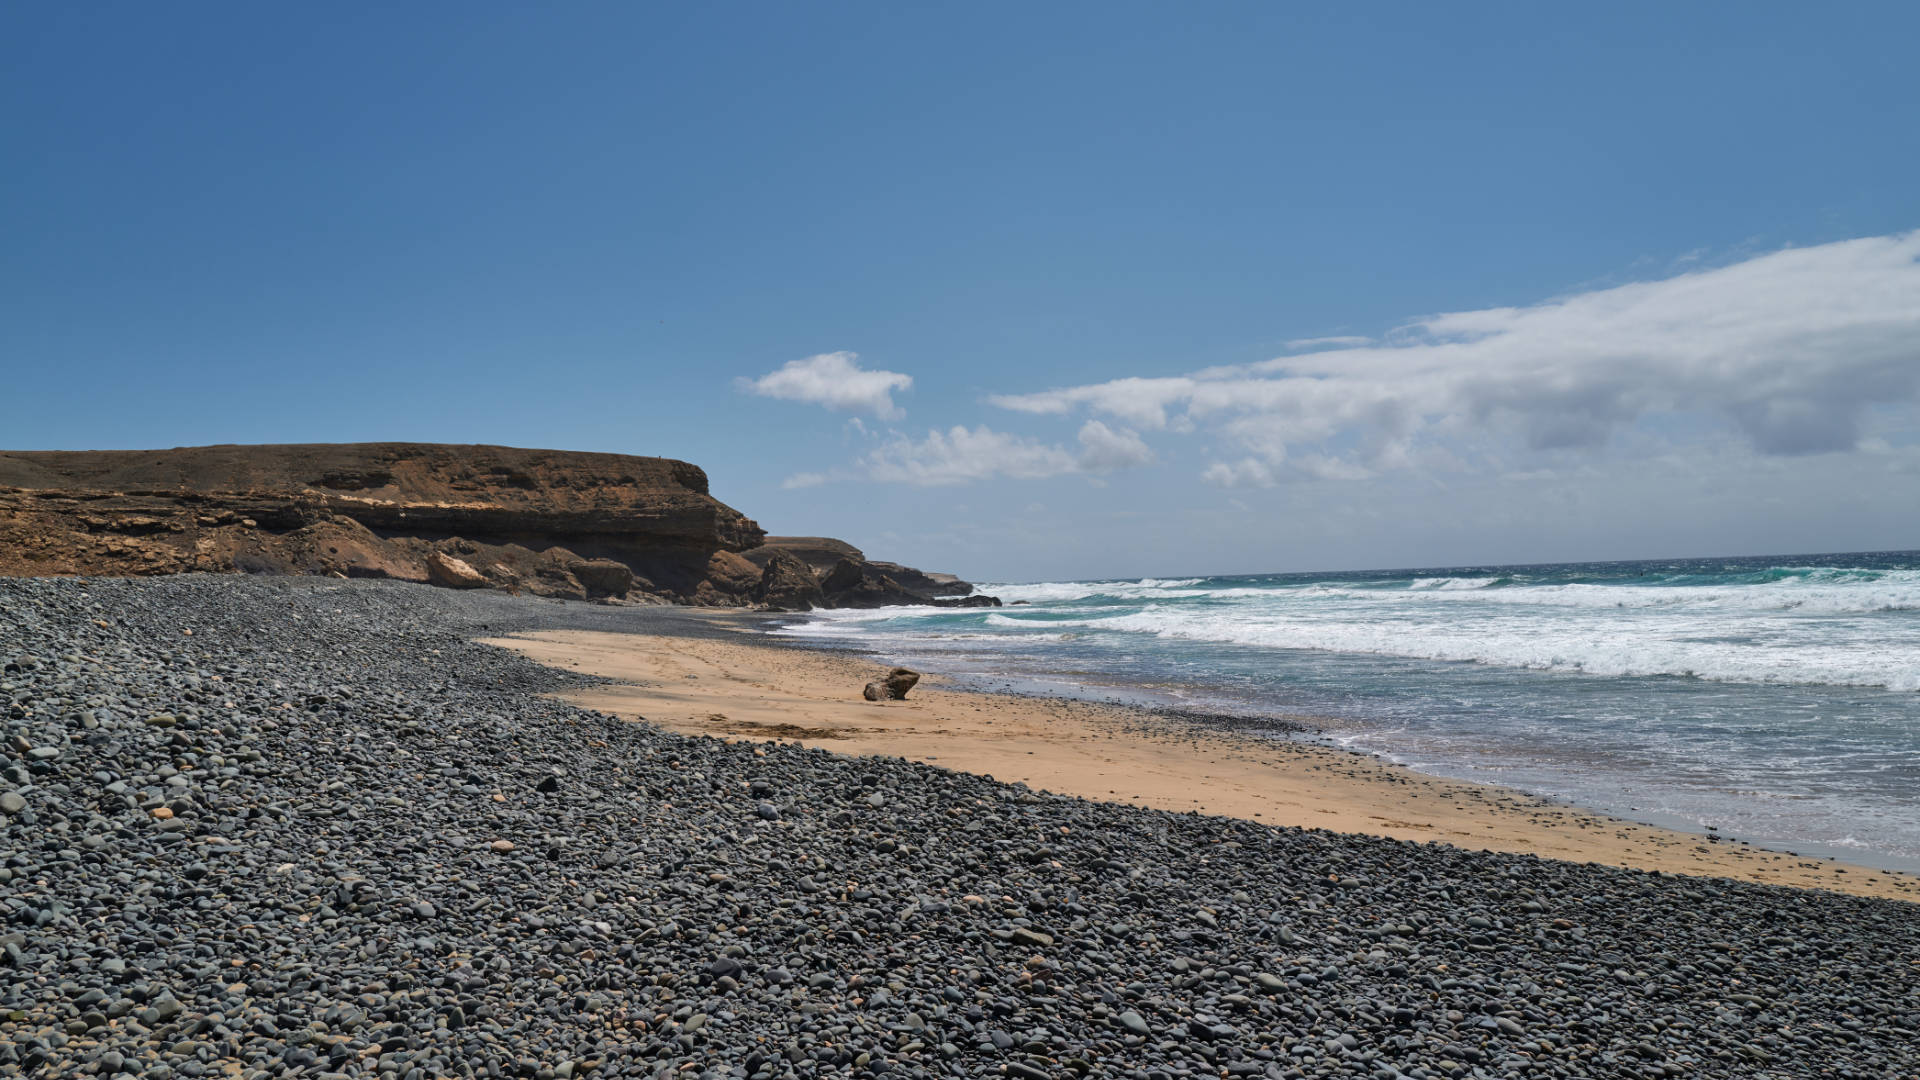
column 739, row 688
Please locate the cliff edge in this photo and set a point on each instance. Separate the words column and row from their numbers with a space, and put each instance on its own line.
column 550, row 522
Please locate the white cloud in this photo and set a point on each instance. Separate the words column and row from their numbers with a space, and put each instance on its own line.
column 1343, row 341
column 1104, row 449
column 1268, row 471
column 962, row 455
column 803, row 480
column 1138, row 401
column 835, row 380
column 1794, row 350
column 1247, row 472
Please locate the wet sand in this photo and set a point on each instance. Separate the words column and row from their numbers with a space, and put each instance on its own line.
column 740, row 688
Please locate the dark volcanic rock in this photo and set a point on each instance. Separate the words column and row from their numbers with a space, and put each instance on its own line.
column 730, row 580
column 892, row 688
column 866, row 584
column 899, row 681
column 920, row 581
column 788, row 583
column 820, row 553
column 858, row 585
column 977, row 600
column 310, row 840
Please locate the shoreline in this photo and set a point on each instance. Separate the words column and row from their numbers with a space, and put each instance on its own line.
column 325, row 801
column 1320, row 731
column 717, row 677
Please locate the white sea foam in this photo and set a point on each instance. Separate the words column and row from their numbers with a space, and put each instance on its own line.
column 1441, row 669
column 1816, row 594
column 1890, row 593
column 1452, row 583
column 1790, row 629
column 1785, row 626
column 1015, row 622
column 1577, row 646
column 1022, row 639
column 842, row 622
column 1054, row 592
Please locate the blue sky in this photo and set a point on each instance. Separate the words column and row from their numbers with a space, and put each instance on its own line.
column 1633, row 281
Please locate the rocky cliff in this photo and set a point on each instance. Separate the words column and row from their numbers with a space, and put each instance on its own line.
column 550, row 522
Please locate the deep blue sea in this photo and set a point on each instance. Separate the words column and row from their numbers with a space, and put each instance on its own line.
column 1774, row 699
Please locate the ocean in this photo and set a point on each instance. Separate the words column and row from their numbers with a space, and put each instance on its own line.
column 1771, row 699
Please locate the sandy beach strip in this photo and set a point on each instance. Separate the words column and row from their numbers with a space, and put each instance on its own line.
column 737, row 687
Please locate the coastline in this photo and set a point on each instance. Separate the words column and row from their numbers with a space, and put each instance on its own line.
column 714, row 676
column 331, row 801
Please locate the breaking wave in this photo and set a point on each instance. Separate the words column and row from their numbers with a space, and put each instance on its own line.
column 1778, row 624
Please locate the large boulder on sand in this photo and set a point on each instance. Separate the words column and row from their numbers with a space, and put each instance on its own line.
column 451, row 573
column 892, row 688
column 787, row 582
column 603, row 577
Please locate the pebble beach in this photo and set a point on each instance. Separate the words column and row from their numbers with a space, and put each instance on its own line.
column 262, row 827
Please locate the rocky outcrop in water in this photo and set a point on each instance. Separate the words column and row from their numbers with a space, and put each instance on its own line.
column 860, row 585
column 921, row 582
column 976, row 600
column 841, row 575
column 818, row 553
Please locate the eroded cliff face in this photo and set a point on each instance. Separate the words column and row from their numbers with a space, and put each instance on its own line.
column 549, row 522
column 545, row 521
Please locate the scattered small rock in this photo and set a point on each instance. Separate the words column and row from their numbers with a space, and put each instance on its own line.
column 325, row 810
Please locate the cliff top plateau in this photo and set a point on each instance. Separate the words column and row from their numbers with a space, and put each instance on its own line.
column 551, row 522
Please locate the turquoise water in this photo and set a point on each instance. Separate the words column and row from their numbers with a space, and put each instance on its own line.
column 1775, row 699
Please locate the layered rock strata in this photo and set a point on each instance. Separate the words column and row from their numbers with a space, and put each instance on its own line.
column 548, row 522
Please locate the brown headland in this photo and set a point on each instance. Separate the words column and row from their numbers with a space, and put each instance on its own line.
column 559, row 523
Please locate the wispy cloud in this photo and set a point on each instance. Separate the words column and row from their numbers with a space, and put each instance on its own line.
column 803, row 480
column 835, row 380
column 1791, row 349
column 1142, row 402
column 962, row 455
column 1104, row 449
column 1344, row 341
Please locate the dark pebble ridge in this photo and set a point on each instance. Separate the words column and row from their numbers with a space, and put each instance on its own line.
column 330, row 889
